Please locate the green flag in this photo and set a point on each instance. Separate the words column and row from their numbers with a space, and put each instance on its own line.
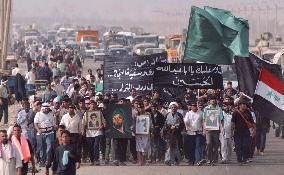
column 215, row 36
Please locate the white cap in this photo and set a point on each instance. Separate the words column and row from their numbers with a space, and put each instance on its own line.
column 173, row 103
column 45, row 105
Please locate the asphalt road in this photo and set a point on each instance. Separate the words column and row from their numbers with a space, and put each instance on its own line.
column 272, row 163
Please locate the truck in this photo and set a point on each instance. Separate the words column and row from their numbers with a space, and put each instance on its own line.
column 90, row 37
column 172, row 44
column 114, row 40
column 143, row 42
column 30, row 35
column 129, row 40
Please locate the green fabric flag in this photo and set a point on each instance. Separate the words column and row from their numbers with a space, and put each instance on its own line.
column 215, row 36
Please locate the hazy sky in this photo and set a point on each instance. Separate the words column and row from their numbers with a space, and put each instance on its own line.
column 155, row 15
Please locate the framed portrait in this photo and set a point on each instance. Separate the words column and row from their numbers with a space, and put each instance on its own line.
column 94, row 121
column 143, row 124
column 212, row 119
column 119, row 120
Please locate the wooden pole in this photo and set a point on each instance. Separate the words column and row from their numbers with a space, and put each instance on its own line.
column 2, row 5
column 8, row 7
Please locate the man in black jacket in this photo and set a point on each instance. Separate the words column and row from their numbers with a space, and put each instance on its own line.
column 158, row 122
column 243, row 128
column 51, row 153
column 67, row 158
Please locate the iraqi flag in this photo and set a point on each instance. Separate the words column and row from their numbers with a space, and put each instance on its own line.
column 269, row 97
column 248, row 70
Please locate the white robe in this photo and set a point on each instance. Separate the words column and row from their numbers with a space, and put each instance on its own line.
column 7, row 166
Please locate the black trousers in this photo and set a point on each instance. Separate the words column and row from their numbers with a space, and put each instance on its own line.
column 75, row 139
column 103, row 146
column 189, row 147
column 242, row 144
column 120, row 148
column 260, row 139
column 133, row 148
column 4, row 110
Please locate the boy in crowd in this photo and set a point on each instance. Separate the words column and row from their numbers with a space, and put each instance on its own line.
column 66, row 158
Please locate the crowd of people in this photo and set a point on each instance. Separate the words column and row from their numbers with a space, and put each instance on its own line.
column 204, row 127
column 199, row 127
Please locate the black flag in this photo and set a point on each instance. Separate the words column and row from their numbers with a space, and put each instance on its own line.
column 248, row 70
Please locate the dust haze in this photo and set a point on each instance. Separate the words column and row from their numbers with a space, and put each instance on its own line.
column 159, row 16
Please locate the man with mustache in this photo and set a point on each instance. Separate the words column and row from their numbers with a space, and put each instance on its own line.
column 10, row 159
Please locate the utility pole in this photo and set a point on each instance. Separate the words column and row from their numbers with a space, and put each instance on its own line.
column 276, row 19
column 2, row 5
column 267, row 18
column 6, row 6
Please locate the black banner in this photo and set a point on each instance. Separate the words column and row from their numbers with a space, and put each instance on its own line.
column 193, row 75
column 123, row 74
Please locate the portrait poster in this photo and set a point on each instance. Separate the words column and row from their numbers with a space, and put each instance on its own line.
column 119, row 120
column 212, row 119
column 94, row 121
column 143, row 124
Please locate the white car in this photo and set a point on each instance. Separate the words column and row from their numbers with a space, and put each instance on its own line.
column 90, row 51
column 99, row 55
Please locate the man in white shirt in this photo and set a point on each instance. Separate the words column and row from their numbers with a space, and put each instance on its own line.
column 92, row 126
column 10, row 159
column 4, row 93
column 57, row 87
column 31, row 77
column 226, row 134
column 90, row 73
column 193, row 125
column 16, row 70
column 45, row 125
column 133, row 94
column 72, row 122
column 25, row 120
column 70, row 88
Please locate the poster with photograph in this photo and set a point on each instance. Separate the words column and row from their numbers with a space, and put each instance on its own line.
column 119, row 120
column 212, row 119
column 94, row 121
column 143, row 124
